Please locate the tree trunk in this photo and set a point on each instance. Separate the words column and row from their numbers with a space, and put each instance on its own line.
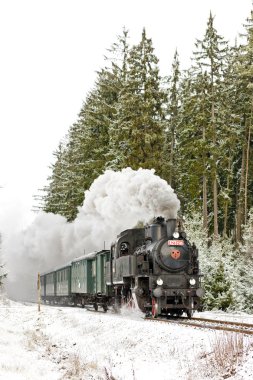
column 246, row 176
column 205, row 220
column 241, row 199
column 172, row 156
column 215, row 207
column 227, row 201
column 215, row 187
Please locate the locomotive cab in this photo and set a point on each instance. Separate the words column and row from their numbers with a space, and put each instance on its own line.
column 122, row 255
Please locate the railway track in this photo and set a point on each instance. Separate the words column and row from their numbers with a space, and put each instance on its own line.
column 212, row 324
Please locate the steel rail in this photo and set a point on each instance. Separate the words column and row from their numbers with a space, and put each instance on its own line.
column 213, row 324
column 249, row 325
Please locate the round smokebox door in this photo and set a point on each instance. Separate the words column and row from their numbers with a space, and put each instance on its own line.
column 174, row 257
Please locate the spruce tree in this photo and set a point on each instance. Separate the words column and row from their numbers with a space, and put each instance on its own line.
column 55, row 198
column 86, row 149
column 244, row 82
column 202, row 120
column 137, row 134
column 191, row 149
column 244, row 269
column 218, row 289
column 231, row 143
column 211, row 54
column 172, row 111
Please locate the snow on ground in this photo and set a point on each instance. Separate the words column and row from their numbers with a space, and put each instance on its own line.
column 73, row 343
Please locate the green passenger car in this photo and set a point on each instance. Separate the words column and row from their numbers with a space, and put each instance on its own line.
column 63, row 281
column 101, row 259
column 81, row 282
column 42, row 286
column 49, row 279
column 83, row 272
column 87, row 273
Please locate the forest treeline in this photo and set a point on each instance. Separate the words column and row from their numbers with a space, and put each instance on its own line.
column 194, row 127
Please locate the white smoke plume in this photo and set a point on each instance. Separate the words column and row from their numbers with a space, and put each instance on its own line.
column 115, row 201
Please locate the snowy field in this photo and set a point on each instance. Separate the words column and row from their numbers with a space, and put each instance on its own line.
column 73, row 343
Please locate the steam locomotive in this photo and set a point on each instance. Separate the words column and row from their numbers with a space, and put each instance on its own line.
column 155, row 267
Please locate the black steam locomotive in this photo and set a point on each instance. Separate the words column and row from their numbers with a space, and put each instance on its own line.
column 155, row 266
column 159, row 267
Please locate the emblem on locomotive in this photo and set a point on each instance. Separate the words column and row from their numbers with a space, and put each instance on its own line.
column 175, row 254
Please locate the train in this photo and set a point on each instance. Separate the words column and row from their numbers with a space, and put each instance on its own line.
column 154, row 267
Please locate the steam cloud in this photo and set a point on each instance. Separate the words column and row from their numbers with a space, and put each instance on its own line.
column 115, row 201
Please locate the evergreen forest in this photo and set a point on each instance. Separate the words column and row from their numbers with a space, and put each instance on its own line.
column 194, row 127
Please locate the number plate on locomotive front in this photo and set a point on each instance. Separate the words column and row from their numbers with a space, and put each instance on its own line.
column 175, row 242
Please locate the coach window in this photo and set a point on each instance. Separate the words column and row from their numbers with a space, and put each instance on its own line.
column 93, row 268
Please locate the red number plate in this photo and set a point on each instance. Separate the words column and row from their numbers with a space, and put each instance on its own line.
column 175, row 242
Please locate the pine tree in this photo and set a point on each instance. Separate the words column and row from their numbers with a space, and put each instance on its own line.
column 231, row 143
column 248, row 236
column 86, row 149
column 137, row 134
column 191, row 148
column 245, row 100
column 244, row 269
column 55, row 199
column 211, row 54
column 218, row 264
column 172, row 110
column 201, row 131
column 218, row 290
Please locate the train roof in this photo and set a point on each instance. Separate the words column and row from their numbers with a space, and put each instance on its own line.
column 85, row 256
column 56, row 269
column 88, row 256
column 63, row 266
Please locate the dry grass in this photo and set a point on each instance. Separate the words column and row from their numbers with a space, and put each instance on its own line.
column 10, row 368
column 108, row 375
column 73, row 367
column 228, row 351
column 76, row 368
column 33, row 339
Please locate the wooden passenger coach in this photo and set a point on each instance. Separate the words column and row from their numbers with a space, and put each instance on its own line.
column 83, row 281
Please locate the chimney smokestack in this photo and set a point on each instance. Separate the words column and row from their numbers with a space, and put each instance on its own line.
column 171, row 227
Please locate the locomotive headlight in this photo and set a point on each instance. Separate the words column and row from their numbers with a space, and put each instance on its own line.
column 176, row 235
column 159, row 281
column 192, row 281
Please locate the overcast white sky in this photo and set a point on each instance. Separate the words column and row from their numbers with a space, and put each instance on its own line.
column 50, row 50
